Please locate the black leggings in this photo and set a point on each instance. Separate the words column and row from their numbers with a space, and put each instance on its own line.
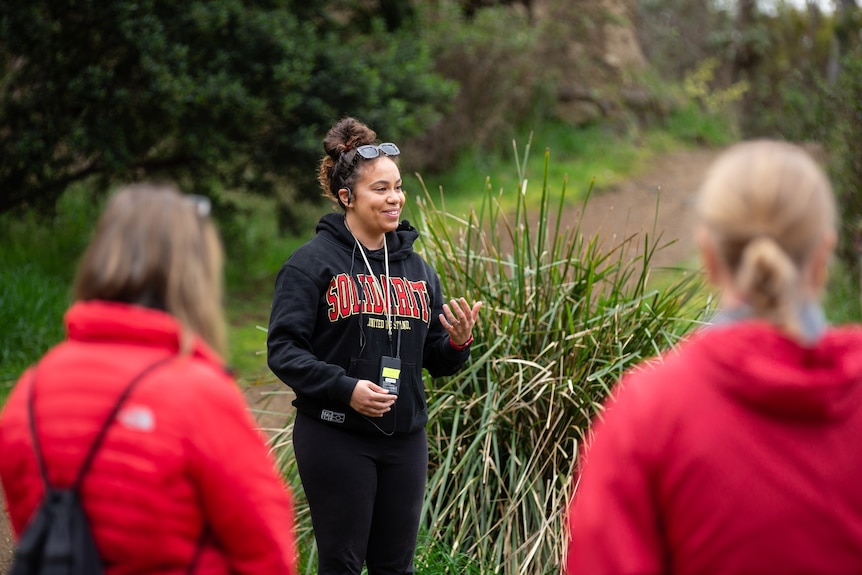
column 365, row 493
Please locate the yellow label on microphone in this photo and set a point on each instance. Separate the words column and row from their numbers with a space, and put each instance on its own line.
column 391, row 373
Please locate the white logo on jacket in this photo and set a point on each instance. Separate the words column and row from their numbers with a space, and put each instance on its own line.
column 332, row 416
column 137, row 417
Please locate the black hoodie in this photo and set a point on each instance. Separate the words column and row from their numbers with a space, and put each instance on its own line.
column 328, row 326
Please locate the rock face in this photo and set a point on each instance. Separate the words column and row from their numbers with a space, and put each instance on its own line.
column 604, row 29
column 579, row 61
column 594, row 47
column 622, row 49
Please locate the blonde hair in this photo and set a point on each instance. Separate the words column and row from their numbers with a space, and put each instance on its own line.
column 767, row 206
column 153, row 247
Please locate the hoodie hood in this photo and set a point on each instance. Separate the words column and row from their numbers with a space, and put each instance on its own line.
column 399, row 243
column 759, row 366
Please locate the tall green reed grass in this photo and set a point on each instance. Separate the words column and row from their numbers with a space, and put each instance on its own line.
column 564, row 316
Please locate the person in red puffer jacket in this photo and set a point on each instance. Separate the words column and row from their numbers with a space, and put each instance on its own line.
column 183, row 477
column 736, row 452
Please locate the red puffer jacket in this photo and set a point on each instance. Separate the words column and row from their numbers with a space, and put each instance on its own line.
column 735, row 454
column 182, row 456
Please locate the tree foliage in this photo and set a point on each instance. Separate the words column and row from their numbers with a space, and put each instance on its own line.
column 801, row 69
column 783, row 54
column 492, row 55
column 233, row 93
column 845, row 105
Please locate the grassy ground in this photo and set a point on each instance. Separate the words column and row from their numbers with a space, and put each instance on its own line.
column 37, row 257
column 591, row 155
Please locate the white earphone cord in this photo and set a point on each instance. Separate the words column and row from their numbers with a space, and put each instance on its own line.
column 386, row 298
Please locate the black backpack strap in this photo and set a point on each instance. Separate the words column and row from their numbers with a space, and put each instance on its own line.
column 31, row 412
column 97, row 443
column 88, row 460
column 199, row 548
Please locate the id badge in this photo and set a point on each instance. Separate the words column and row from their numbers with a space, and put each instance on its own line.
column 390, row 374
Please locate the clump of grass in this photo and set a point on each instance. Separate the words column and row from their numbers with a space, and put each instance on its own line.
column 435, row 557
column 31, row 310
column 564, row 316
column 37, row 260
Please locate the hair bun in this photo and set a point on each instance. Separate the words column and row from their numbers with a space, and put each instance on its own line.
column 346, row 135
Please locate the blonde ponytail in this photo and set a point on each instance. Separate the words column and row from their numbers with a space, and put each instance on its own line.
column 768, row 281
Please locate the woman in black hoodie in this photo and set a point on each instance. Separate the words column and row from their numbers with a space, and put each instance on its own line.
column 356, row 316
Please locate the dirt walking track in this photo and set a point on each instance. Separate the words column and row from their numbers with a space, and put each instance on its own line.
column 630, row 208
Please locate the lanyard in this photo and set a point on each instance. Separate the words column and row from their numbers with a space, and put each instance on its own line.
column 387, row 302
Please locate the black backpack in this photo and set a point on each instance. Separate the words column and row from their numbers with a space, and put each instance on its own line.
column 58, row 539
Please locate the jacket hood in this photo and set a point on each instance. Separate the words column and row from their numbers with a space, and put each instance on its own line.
column 99, row 320
column 763, row 368
column 399, row 243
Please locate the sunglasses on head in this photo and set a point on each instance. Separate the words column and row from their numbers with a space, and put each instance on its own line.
column 202, row 204
column 369, row 152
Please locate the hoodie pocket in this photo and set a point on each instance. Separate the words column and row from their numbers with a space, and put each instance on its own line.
column 364, row 369
column 413, row 379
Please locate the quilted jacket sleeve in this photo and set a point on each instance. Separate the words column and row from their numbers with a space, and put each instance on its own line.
column 613, row 519
column 247, row 506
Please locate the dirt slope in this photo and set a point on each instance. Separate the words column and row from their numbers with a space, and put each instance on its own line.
column 630, row 208
column 658, row 201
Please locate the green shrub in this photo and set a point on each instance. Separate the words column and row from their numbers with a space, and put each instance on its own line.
column 842, row 301
column 784, row 56
column 207, row 93
column 692, row 124
column 503, row 84
column 699, row 111
column 846, row 157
